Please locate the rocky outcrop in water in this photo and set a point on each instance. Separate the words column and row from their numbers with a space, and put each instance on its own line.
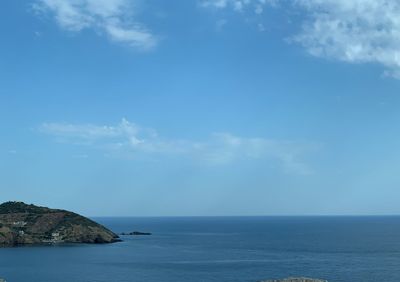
column 292, row 279
column 22, row 224
column 136, row 233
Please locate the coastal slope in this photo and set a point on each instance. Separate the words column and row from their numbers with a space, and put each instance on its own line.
column 23, row 224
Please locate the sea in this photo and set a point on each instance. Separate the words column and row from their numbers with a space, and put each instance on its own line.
column 220, row 249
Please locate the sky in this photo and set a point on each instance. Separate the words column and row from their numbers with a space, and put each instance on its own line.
column 201, row 107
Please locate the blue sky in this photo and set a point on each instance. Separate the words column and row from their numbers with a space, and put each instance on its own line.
column 201, row 107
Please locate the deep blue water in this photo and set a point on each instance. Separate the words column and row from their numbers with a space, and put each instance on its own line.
column 200, row 249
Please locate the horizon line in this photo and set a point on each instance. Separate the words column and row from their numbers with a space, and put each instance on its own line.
column 232, row 216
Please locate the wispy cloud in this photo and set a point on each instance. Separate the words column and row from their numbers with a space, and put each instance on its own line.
column 352, row 31
column 219, row 26
column 357, row 31
column 237, row 5
column 127, row 138
column 114, row 18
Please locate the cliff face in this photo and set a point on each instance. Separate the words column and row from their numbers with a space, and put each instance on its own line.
column 22, row 224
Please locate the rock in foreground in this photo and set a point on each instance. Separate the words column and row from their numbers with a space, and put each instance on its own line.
column 291, row 279
column 22, row 224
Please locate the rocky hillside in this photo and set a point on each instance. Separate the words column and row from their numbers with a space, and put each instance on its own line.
column 22, row 224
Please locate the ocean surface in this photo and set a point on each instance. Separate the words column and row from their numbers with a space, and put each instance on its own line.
column 237, row 249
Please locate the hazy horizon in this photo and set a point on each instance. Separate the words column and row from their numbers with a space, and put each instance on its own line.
column 202, row 107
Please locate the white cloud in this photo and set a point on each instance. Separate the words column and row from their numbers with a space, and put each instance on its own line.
column 259, row 9
column 127, row 138
column 115, row 18
column 92, row 134
column 237, row 5
column 225, row 148
column 215, row 3
column 356, row 31
column 352, row 31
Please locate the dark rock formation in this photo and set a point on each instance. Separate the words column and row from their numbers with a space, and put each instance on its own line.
column 22, row 224
column 292, row 279
column 136, row 233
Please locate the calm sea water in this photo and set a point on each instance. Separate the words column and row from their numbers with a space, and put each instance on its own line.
column 245, row 249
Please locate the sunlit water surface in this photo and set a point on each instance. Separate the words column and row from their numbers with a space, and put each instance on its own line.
column 200, row 249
